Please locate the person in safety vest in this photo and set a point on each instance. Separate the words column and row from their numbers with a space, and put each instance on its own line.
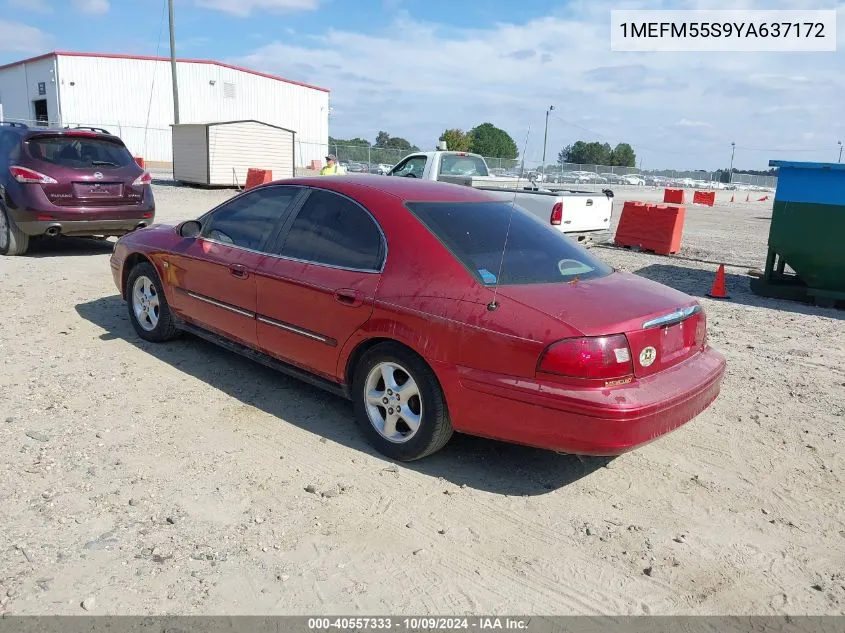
column 332, row 167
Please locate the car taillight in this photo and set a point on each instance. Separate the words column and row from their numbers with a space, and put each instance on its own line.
column 592, row 357
column 22, row 174
column 143, row 179
column 557, row 214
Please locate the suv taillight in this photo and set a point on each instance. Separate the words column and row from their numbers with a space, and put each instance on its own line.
column 25, row 175
column 143, row 179
column 557, row 214
column 592, row 357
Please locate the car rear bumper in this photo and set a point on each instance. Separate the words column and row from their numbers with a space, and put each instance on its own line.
column 85, row 227
column 34, row 214
column 607, row 421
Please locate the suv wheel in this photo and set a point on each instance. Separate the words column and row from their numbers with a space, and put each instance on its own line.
column 13, row 241
column 399, row 404
column 148, row 310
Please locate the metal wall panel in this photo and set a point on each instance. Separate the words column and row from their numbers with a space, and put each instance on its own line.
column 134, row 96
column 235, row 147
column 19, row 88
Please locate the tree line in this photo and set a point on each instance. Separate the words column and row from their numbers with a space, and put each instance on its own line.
column 583, row 153
column 485, row 139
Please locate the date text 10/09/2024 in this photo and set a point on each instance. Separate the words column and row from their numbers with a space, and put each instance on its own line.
column 722, row 29
column 420, row 623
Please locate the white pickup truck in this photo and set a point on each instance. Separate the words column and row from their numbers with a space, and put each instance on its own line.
column 582, row 215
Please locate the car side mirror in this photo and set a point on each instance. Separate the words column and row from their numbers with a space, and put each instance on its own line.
column 191, row 228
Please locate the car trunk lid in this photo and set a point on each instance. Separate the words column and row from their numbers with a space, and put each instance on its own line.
column 90, row 170
column 663, row 326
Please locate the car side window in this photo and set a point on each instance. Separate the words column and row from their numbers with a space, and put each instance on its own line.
column 249, row 219
column 412, row 167
column 332, row 230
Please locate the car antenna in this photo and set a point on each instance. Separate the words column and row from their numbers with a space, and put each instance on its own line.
column 493, row 305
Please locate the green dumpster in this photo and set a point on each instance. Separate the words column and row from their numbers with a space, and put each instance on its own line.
column 806, row 257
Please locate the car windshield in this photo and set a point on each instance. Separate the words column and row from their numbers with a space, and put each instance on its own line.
column 536, row 253
column 462, row 165
column 79, row 152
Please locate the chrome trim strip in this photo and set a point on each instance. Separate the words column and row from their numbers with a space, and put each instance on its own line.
column 673, row 317
column 296, row 330
column 220, row 304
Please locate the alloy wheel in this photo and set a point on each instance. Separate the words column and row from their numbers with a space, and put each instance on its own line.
column 145, row 303
column 393, row 402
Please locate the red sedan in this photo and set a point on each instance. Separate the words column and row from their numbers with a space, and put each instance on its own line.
column 434, row 308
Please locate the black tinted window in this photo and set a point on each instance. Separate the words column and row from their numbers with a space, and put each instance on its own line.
column 536, row 253
column 333, row 230
column 248, row 220
column 80, row 152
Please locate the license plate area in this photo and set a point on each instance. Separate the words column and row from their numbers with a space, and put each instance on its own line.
column 98, row 189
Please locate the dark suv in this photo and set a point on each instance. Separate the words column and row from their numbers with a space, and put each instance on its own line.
column 80, row 181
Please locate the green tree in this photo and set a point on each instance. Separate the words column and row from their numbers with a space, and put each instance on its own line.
column 457, row 140
column 382, row 138
column 623, row 156
column 397, row 142
column 492, row 142
column 595, row 153
column 563, row 156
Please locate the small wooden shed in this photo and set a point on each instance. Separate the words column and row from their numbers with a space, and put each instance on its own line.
column 219, row 154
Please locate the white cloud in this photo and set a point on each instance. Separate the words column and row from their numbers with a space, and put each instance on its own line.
column 415, row 78
column 92, row 7
column 688, row 123
column 243, row 8
column 16, row 37
column 35, row 6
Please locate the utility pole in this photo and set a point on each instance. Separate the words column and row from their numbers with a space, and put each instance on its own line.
column 173, row 65
column 546, row 136
column 731, row 170
column 840, row 151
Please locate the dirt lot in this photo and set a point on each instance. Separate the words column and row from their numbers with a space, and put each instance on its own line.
column 171, row 479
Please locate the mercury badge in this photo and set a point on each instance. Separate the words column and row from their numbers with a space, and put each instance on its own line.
column 648, row 356
column 98, row 175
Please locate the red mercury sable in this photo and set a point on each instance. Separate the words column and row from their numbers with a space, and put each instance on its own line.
column 434, row 308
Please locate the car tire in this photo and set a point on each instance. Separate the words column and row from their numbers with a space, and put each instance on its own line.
column 426, row 406
column 13, row 241
column 149, row 311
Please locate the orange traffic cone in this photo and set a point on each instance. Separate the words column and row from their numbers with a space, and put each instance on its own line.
column 718, row 291
column 763, row 199
column 732, row 198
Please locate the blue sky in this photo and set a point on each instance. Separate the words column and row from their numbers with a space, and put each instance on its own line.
column 415, row 67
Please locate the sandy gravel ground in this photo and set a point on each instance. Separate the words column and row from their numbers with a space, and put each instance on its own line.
column 138, row 478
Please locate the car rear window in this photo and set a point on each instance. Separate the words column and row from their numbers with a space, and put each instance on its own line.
column 79, row 152
column 536, row 253
column 457, row 165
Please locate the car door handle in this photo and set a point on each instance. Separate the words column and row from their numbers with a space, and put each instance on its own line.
column 348, row 297
column 239, row 271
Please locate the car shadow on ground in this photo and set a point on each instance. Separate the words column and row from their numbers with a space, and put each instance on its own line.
column 68, row 247
column 697, row 283
column 474, row 462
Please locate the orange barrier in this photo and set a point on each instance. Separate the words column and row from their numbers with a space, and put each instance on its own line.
column 255, row 177
column 673, row 196
column 140, row 162
column 316, row 165
column 653, row 227
column 763, row 199
column 704, row 197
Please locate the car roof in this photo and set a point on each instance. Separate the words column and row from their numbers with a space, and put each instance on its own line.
column 404, row 189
